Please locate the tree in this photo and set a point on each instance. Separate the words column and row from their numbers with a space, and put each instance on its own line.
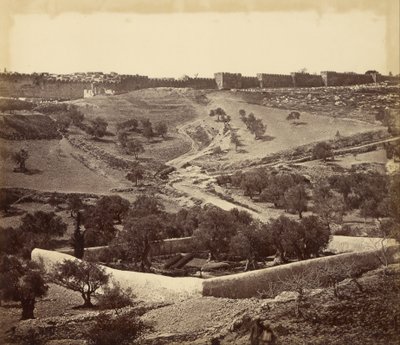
column 135, row 174
column 215, row 231
column 217, row 151
column 122, row 138
column 329, row 205
column 235, row 140
column 296, row 199
column 252, row 183
column 76, row 116
column 148, row 132
column 249, row 120
column 22, row 282
column 137, row 236
column 20, row 158
column 99, row 226
column 78, row 238
column 322, row 151
column 242, row 113
column 98, row 127
column 161, row 129
column 250, row 243
column 128, row 125
column 212, row 113
column 294, row 115
column 63, row 124
column 40, row 222
column 219, row 112
column 80, row 276
column 75, row 204
column 276, row 235
column 258, row 128
column 134, row 147
column 11, row 241
column 146, row 205
column 6, row 200
column 114, row 205
column 316, row 236
column 38, row 230
column 297, row 239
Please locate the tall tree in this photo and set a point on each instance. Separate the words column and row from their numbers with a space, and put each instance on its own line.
column 78, row 238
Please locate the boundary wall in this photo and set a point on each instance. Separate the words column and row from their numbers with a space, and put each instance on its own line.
column 249, row 284
column 146, row 286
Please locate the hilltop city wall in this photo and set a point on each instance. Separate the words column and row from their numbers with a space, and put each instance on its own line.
column 87, row 85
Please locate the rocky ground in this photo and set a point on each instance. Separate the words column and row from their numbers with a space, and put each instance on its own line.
column 359, row 101
column 370, row 316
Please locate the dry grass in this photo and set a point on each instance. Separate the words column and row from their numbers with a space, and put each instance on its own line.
column 52, row 169
column 280, row 134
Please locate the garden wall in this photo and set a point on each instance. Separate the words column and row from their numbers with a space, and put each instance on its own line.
column 146, row 286
column 249, row 284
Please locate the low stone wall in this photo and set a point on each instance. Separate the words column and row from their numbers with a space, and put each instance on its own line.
column 250, row 284
column 146, row 286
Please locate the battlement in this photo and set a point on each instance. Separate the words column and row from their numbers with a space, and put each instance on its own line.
column 78, row 85
column 331, row 78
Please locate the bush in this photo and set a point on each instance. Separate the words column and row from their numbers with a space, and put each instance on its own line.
column 119, row 330
column 223, row 180
column 115, row 297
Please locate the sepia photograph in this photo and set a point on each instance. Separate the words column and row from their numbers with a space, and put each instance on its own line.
column 200, row 172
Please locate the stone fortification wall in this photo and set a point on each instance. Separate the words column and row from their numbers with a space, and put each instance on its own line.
column 307, row 80
column 342, row 79
column 226, row 81
column 379, row 78
column 31, row 86
column 274, row 80
column 250, row 82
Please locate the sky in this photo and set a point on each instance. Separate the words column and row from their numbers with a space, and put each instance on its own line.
column 172, row 45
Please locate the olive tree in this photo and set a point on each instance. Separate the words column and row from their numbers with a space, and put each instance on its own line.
column 80, row 276
column 22, row 282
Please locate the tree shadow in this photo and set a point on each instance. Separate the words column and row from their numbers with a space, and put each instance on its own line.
column 28, row 171
column 299, row 123
column 103, row 140
column 242, row 151
column 266, row 138
column 12, row 212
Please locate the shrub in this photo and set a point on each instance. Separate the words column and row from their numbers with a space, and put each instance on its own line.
column 115, row 297
column 119, row 330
